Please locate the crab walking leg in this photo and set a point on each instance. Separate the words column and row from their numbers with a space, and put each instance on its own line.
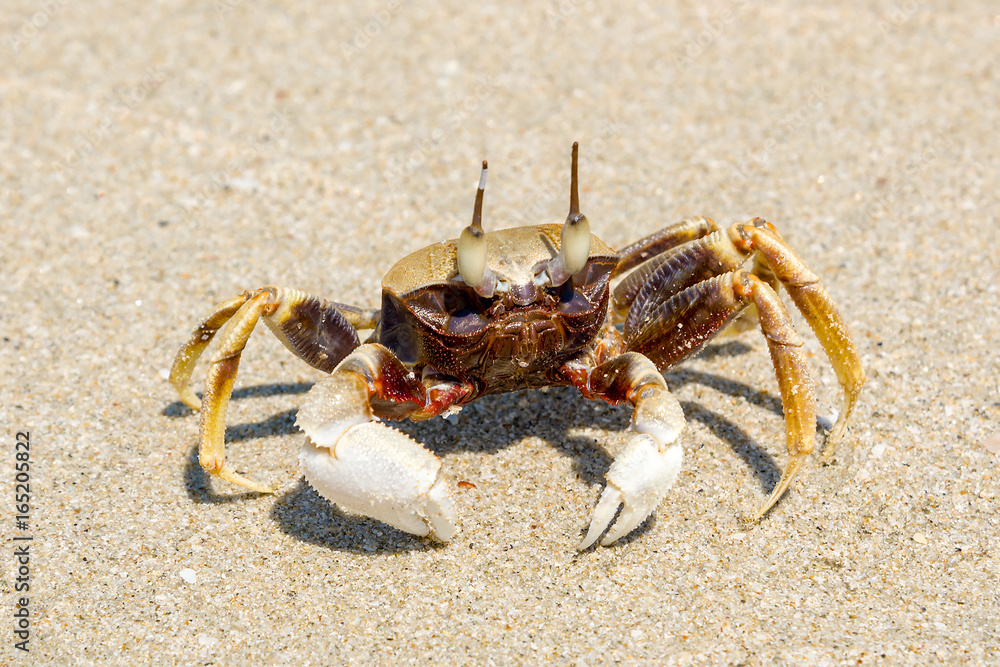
column 666, row 239
column 818, row 309
column 651, row 253
column 672, row 273
column 219, row 389
column 644, row 471
column 364, row 465
column 748, row 318
column 794, row 383
column 314, row 329
column 187, row 357
column 681, row 326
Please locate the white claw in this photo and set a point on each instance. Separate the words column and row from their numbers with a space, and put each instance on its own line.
column 377, row 471
column 639, row 477
column 611, row 498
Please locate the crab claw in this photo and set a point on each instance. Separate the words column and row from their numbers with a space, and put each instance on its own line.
column 639, row 478
column 377, row 471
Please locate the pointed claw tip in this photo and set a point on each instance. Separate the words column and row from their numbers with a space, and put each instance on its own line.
column 593, row 532
column 794, row 465
column 631, row 517
column 605, row 511
column 189, row 398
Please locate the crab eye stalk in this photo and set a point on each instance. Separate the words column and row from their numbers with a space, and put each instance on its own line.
column 472, row 249
column 575, row 239
column 575, row 248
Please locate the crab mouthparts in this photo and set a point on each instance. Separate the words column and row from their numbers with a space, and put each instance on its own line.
column 523, row 295
column 528, row 338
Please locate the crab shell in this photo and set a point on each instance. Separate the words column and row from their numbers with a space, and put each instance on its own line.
column 515, row 339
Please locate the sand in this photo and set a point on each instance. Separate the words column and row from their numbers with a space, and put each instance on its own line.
column 159, row 158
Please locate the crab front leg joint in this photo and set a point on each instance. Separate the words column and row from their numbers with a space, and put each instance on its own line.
column 645, row 470
column 362, row 464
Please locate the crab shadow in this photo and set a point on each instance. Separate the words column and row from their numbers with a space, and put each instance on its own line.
column 178, row 409
column 302, row 513
column 488, row 425
column 305, row 515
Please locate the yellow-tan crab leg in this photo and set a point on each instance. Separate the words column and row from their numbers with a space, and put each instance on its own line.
column 815, row 305
column 366, row 466
column 219, row 389
column 794, row 383
column 188, row 355
column 314, row 329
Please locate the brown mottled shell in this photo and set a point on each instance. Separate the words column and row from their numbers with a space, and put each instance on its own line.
column 510, row 253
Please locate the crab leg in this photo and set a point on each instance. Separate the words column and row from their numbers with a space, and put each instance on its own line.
column 667, row 275
column 366, row 466
column 790, row 366
column 649, row 254
column 817, row 308
column 315, row 330
column 645, row 470
column 187, row 357
column 687, row 320
column 647, row 290
column 666, row 239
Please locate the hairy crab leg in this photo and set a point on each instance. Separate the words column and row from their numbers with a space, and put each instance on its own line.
column 314, row 329
column 818, row 309
column 366, row 466
column 649, row 254
column 644, row 471
column 660, row 242
column 673, row 272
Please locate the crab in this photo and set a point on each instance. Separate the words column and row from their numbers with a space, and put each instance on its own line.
column 527, row 307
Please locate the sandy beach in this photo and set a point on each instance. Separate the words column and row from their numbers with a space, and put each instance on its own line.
column 158, row 158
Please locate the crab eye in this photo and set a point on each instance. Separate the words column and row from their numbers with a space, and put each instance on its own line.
column 472, row 256
column 472, row 249
column 574, row 248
